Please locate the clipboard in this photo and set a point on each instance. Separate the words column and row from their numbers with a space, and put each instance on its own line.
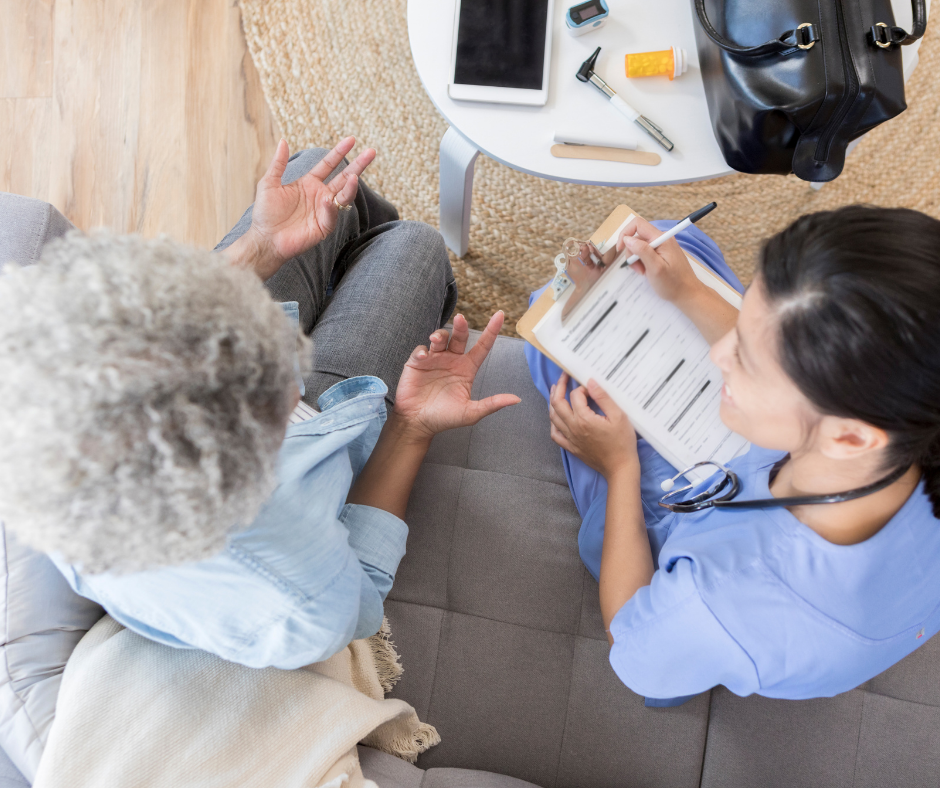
column 527, row 323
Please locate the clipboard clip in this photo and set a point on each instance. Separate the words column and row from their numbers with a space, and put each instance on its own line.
column 580, row 265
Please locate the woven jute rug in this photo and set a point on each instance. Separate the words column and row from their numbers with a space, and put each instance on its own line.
column 332, row 68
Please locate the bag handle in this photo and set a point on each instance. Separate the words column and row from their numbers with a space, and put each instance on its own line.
column 801, row 37
column 805, row 35
column 885, row 37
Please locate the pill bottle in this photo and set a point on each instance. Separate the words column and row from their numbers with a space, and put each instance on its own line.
column 670, row 62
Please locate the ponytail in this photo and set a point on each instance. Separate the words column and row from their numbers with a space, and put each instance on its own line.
column 857, row 293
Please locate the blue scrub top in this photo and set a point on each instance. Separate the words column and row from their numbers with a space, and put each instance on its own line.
column 759, row 602
column 752, row 599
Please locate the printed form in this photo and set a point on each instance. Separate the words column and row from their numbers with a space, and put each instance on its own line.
column 653, row 362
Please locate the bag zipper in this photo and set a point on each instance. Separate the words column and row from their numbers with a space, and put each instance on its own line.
column 851, row 92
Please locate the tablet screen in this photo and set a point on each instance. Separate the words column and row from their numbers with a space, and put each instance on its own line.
column 501, row 43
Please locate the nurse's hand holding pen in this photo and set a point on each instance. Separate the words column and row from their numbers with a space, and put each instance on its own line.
column 673, row 279
column 607, row 442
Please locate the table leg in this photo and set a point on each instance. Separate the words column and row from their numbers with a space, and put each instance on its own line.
column 457, row 159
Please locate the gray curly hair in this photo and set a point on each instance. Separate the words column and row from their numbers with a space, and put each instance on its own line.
column 144, row 391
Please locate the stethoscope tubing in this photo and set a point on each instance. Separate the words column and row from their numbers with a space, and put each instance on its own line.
column 705, row 500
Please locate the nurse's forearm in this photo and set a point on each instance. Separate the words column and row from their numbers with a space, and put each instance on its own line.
column 626, row 559
column 390, row 472
column 713, row 316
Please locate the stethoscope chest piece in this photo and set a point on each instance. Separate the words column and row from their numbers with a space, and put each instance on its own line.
column 715, row 494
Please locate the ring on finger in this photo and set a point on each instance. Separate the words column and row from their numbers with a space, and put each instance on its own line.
column 339, row 205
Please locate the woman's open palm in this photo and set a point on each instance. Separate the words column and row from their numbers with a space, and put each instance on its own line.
column 434, row 393
column 291, row 218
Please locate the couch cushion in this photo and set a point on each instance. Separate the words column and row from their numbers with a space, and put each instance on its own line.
column 915, row 678
column 859, row 739
column 768, row 742
column 899, row 744
column 387, row 771
column 498, row 623
column 470, row 778
column 26, row 227
column 43, row 620
column 10, row 776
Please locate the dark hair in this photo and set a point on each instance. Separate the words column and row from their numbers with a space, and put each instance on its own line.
column 857, row 292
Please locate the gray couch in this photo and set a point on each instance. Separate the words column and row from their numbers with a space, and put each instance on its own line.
column 500, row 634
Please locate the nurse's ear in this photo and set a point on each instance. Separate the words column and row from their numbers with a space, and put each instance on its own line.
column 848, row 439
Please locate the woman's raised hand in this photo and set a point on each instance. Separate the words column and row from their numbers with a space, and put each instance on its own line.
column 666, row 267
column 606, row 442
column 288, row 219
column 434, row 391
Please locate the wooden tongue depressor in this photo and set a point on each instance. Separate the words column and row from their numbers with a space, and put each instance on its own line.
column 605, row 154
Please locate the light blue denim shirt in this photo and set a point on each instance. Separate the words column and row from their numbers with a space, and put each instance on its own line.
column 308, row 576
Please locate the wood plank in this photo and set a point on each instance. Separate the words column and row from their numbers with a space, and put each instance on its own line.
column 253, row 130
column 97, row 112
column 160, row 122
column 208, row 113
column 26, row 47
column 230, row 134
column 161, row 204
column 25, row 138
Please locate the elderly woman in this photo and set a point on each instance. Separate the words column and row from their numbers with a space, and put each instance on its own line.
column 154, row 442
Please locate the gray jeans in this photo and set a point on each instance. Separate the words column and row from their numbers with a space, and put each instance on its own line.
column 369, row 293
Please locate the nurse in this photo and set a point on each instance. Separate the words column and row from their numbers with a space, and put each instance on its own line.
column 829, row 575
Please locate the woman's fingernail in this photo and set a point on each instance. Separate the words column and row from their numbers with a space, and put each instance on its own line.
column 422, row 354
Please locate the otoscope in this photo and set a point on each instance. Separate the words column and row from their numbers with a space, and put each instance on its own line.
column 586, row 74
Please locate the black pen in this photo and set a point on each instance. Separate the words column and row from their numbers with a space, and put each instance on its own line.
column 689, row 220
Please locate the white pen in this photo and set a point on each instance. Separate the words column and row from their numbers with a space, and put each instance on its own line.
column 586, row 74
column 689, row 220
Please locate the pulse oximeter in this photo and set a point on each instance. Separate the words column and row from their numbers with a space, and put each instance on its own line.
column 585, row 17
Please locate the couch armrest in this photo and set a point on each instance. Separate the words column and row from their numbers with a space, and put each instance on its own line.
column 25, row 227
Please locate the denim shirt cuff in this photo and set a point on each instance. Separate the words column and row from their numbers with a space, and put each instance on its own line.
column 377, row 537
column 360, row 386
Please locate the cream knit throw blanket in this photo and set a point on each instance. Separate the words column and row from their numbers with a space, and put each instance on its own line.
column 136, row 713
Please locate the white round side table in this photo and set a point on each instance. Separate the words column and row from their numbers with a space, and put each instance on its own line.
column 521, row 137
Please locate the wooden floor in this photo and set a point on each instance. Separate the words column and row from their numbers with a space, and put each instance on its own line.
column 138, row 115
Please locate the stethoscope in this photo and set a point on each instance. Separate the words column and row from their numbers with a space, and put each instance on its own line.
column 707, row 499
